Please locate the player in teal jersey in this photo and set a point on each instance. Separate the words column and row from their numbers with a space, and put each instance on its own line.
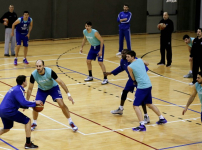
column 197, row 88
column 189, row 42
column 96, row 50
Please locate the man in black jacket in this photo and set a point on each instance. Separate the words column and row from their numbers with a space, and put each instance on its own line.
column 196, row 53
column 165, row 39
column 7, row 19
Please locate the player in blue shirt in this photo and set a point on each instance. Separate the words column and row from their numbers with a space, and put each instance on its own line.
column 123, row 19
column 23, row 28
column 189, row 42
column 48, row 82
column 143, row 93
column 13, row 100
column 96, row 50
column 129, row 85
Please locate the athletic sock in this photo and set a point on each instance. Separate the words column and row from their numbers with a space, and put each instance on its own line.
column 35, row 121
column 190, row 71
column 105, row 77
column 28, row 140
column 121, row 107
column 145, row 115
column 142, row 123
column 161, row 117
column 90, row 73
column 70, row 120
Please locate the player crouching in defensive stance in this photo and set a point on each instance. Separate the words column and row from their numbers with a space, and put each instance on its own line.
column 48, row 82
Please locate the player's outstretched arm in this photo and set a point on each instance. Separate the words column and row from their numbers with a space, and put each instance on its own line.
column 146, row 63
column 29, row 91
column 62, row 84
column 83, row 43
column 191, row 99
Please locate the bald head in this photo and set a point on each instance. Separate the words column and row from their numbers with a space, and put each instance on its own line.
column 165, row 15
column 40, row 62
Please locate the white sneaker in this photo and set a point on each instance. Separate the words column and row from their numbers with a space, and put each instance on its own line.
column 105, row 81
column 118, row 111
column 191, row 83
column 119, row 53
column 88, row 79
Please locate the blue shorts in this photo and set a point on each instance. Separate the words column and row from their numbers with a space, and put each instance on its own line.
column 93, row 53
column 143, row 96
column 21, row 37
column 18, row 117
column 130, row 86
column 54, row 92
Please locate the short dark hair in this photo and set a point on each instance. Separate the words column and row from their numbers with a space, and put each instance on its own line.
column 126, row 5
column 20, row 79
column 200, row 73
column 200, row 29
column 186, row 37
column 131, row 53
column 125, row 50
column 41, row 61
column 89, row 23
column 26, row 12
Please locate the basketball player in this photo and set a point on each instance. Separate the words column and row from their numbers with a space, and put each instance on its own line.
column 48, row 82
column 143, row 93
column 23, row 28
column 189, row 42
column 197, row 88
column 124, row 18
column 96, row 50
column 13, row 100
column 129, row 85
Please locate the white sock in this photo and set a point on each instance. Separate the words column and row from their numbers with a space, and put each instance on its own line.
column 145, row 115
column 35, row 121
column 70, row 120
column 161, row 117
column 142, row 123
column 24, row 58
column 16, row 58
column 121, row 107
column 190, row 71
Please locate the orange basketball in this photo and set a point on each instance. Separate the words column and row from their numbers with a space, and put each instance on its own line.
column 38, row 108
column 160, row 26
column 5, row 21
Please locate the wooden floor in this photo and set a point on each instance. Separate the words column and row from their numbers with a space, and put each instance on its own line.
column 98, row 128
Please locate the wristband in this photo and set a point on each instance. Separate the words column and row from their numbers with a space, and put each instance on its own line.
column 68, row 94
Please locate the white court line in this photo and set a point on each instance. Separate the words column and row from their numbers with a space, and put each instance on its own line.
column 38, row 56
column 44, row 129
column 44, row 60
column 4, row 148
column 1, row 96
column 153, row 125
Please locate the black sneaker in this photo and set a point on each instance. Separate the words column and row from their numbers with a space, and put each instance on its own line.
column 30, row 146
column 7, row 55
column 160, row 63
column 12, row 54
column 168, row 65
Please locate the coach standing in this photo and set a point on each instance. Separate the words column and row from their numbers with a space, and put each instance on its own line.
column 9, row 17
column 165, row 40
column 196, row 53
column 124, row 18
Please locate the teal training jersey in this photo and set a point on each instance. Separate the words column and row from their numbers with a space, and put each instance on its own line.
column 45, row 82
column 191, row 42
column 91, row 37
column 140, row 74
column 199, row 91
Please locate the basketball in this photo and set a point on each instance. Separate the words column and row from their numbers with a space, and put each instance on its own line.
column 160, row 26
column 5, row 21
column 38, row 108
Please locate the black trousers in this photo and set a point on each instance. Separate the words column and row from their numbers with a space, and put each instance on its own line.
column 197, row 63
column 165, row 45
